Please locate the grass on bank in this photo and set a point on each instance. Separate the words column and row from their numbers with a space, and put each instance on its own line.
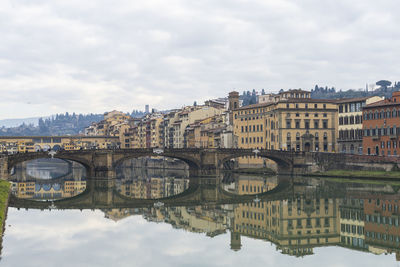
column 4, row 192
column 364, row 181
column 360, row 174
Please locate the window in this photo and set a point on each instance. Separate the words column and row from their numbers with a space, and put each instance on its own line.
column 315, row 105
column 316, row 124
column 297, row 124
column 307, row 124
column 288, row 124
column 325, row 124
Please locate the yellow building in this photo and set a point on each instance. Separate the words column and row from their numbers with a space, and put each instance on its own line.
column 37, row 143
column 300, row 124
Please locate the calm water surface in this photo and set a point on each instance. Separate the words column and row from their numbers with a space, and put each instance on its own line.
column 307, row 222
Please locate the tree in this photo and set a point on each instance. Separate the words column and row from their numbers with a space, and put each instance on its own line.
column 384, row 83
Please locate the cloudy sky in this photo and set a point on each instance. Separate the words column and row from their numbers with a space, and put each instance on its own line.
column 94, row 55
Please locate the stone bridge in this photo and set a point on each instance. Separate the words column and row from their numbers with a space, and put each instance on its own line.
column 103, row 163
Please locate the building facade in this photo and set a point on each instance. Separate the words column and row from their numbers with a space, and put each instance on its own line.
column 350, row 123
column 381, row 125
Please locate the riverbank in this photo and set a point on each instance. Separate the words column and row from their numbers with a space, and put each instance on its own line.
column 264, row 171
column 4, row 193
column 4, row 196
column 391, row 175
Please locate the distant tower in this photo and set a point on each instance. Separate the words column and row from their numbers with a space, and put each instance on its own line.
column 236, row 243
column 146, row 109
column 233, row 104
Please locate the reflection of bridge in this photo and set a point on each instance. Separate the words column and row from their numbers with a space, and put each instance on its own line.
column 102, row 163
column 102, row 194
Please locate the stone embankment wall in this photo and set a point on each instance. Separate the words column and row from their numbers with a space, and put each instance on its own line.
column 325, row 162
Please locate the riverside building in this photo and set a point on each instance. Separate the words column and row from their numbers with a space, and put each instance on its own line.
column 350, row 123
column 381, row 126
column 296, row 123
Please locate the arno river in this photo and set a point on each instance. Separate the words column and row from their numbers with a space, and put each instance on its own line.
column 162, row 217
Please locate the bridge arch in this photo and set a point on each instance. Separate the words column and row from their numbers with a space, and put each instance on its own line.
column 192, row 163
column 24, row 157
column 281, row 159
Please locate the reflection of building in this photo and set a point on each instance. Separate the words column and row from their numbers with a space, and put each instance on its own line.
column 310, row 217
column 72, row 188
column 295, row 226
column 153, row 188
column 382, row 230
column 23, row 189
column 352, row 223
column 50, row 190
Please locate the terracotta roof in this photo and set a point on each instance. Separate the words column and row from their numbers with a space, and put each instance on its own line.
column 255, row 106
column 308, row 100
column 348, row 100
column 382, row 103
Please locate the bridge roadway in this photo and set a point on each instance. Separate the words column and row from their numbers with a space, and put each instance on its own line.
column 102, row 163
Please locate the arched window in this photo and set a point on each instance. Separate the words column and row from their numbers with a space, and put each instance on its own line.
column 325, row 136
column 394, row 113
column 297, row 136
column 388, row 113
column 316, row 137
column 288, row 137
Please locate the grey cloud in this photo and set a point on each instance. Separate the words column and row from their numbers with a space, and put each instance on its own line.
column 98, row 56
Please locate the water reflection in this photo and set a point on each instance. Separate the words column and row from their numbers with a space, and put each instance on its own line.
column 305, row 215
column 145, row 183
column 48, row 179
column 248, row 184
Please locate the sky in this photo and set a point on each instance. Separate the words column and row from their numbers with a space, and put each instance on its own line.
column 96, row 55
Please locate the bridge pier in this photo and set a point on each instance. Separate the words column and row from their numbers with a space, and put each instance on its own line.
column 4, row 173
